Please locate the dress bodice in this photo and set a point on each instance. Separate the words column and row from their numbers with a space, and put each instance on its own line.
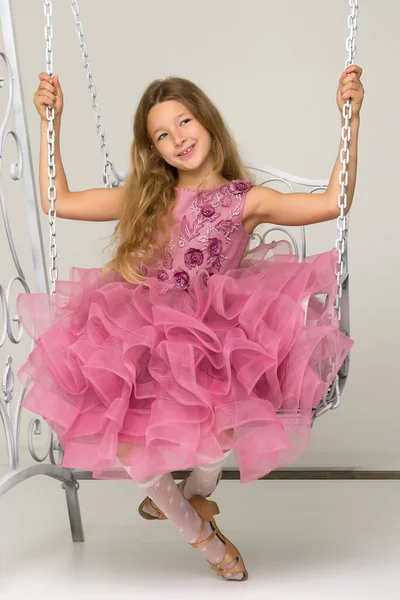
column 210, row 234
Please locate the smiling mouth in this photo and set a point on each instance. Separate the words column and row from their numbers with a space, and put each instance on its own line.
column 188, row 151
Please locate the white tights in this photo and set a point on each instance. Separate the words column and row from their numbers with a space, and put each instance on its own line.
column 203, row 479
column 164, row 492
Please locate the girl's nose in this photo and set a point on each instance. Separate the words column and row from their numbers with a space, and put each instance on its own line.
column 180, row 141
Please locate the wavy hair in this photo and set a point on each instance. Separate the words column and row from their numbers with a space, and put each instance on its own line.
column 146, row 219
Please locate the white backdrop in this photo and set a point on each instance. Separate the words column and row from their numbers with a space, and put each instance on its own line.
column 272, row 68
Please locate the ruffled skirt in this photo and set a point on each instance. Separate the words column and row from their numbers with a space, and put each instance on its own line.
column 136, row 382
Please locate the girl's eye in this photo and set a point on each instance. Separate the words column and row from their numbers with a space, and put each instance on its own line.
column 160, row 137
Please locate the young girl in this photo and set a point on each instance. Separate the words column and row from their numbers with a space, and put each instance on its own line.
column 183, row 348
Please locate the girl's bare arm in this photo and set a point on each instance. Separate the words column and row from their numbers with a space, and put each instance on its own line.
column 98, row 204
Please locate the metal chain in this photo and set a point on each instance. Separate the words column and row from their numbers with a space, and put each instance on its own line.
column 51, row 166
column 108, row 167
column 332, row 397
column 342, row 220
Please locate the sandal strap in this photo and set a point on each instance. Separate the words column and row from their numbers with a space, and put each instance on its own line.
column 158, row 513
column 231, row 554
column 221, row 571
column 201, row 542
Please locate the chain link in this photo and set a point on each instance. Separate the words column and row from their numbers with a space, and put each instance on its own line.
column 343, row 220
column 51, row 166
column 108, row 167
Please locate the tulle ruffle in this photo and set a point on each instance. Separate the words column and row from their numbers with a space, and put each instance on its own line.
column 126, row 375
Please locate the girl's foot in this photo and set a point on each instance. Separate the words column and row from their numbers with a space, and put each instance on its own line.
column 194, row 519
column 229, row 564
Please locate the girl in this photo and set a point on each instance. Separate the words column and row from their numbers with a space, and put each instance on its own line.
column 183, row 348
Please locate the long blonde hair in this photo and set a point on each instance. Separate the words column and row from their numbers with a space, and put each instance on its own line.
column 150, row 186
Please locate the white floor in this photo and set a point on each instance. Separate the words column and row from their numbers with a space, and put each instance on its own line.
column 329, row 540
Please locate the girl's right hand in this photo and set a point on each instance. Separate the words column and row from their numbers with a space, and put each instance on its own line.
column 49, row 93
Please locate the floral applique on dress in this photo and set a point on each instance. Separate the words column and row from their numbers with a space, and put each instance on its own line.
column 209, row 226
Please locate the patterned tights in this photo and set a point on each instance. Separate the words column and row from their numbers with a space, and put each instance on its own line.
column 163, row 492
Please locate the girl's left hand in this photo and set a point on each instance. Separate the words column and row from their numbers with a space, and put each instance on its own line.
column 351, row 87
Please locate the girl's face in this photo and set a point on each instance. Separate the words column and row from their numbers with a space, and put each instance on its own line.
column 178, row 136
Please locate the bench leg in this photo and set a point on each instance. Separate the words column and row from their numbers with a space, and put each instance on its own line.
column 74, row 511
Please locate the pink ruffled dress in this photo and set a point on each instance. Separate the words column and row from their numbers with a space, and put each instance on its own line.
column 216, row 350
